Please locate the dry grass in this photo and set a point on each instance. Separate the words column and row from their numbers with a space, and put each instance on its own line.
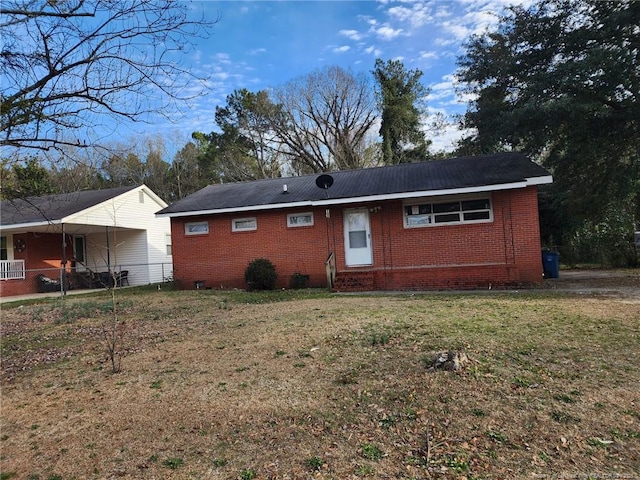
column 318, row 386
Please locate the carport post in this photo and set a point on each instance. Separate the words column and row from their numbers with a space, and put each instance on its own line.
column 63, row 269
column 108, row 253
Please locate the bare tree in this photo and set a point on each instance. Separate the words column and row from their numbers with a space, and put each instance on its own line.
column 68, row 64
column 324, row 119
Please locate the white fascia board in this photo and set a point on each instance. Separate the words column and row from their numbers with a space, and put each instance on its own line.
column 420, row 194
column 250, row 208
column 22, row 226
column 370, row 198
column 540, row 180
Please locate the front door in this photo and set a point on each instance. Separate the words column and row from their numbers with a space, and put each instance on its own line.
column 357, row 237
column 80, row 252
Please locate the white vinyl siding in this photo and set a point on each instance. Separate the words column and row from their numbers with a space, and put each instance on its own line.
column 138, row 244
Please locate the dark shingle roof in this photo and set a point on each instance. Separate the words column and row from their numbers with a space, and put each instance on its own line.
column 434, row 176
column 51, row 208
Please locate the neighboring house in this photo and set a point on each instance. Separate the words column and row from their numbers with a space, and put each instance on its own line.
column 84, row 239
column 468, row 222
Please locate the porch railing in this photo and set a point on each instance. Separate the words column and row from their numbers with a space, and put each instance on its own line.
column 330, row 265
column 11, row 269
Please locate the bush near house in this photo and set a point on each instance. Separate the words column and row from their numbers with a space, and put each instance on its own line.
column 261, row 275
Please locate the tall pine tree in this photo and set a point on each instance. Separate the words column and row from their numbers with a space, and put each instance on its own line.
column 400, row 97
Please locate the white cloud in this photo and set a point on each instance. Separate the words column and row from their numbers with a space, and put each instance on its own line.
column 352, row 34
column 221, row 75
column 257, row 51
column 444, row 42
column 426, row 55
column 457, row 29
column 385, row 32
column 373, row 51
column 447, row 139
column 342, row 49
column 370, row 20
column 442, row 11
column 222, row 58
column 478, row 16
column 418, row 15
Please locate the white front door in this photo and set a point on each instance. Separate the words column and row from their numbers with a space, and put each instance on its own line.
column 357, row 237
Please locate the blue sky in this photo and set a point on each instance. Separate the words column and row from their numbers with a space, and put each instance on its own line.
column 263, row 44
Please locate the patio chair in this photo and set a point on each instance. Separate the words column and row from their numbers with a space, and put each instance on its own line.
column 46, row 284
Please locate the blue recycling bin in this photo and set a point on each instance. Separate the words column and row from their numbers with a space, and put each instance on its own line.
column 551, row 264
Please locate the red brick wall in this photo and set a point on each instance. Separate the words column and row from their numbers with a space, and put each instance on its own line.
column 42, row 254
column 220, row 257
column 503, row 252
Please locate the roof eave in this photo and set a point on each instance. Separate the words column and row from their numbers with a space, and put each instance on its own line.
column 22, row 226
column 369, row 198
column 540, row 180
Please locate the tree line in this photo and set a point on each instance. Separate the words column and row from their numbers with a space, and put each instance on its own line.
column 320, row 122
column 560, row 81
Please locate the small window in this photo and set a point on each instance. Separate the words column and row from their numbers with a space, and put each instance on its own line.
column 196, row 228
column 300, row 219
column 4, row 251
column 140, row 196
column 167, row 242
column 244, row 224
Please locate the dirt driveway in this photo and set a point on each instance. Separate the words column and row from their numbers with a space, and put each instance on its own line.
column 610, row 283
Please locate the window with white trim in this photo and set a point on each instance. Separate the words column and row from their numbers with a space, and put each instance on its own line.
column 167, row 242
column 196, row 228
column 300, row 219
column 244, row 224
column 418, row 213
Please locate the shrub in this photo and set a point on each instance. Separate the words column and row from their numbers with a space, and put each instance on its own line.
column 260, row 275
column 298, row 280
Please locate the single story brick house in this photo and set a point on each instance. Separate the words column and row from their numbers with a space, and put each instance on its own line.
column 468, row 222
column 86, row 239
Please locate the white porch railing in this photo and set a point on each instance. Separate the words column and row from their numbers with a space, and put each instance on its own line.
column 11, row 269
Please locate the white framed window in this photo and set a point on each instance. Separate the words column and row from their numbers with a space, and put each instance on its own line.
column 167, row 242
column 421, row 213
column 244, row 224
column 4, row 249
column 140, row 196
column 300, row 219
column 196, row 228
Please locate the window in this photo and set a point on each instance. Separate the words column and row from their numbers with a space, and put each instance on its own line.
column 167, row 242
column 4, row 252
column 300, row 219
column 467, row 210
column 244, row 224
column 140, row 196
column 196, row 228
